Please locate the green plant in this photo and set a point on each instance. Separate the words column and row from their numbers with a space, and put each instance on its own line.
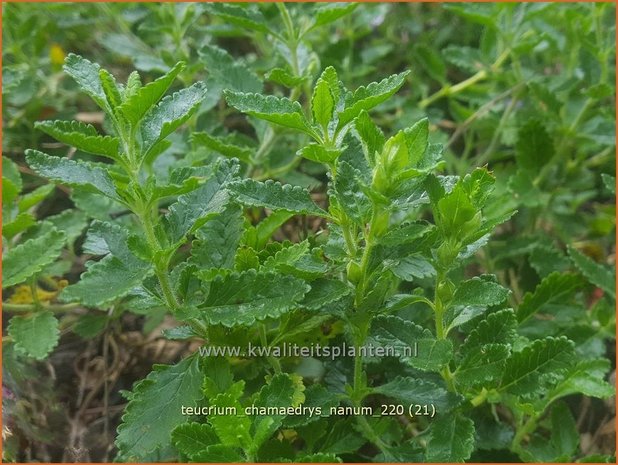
column 387, row 268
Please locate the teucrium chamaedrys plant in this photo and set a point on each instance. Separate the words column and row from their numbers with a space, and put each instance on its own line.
column 387, row 270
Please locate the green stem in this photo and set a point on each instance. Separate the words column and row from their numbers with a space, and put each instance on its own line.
column 264, row 340
column 24, row 308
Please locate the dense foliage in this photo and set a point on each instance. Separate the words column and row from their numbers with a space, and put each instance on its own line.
column 429, row 177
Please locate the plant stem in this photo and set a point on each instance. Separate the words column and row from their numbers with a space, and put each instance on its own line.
column 264, row 340
column 24, row 308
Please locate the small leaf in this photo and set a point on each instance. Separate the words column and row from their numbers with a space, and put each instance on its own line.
column 609, row 182
column 365, row 98
column 534, row 146
column 599, row 275
column 556, row 287
column 221, row 146
column 587, row 377
column 325, row 14
column 154, row 408
column 371, row 136
column 249, row 18
column 241, row 299
column 192, row 438
column 529, row 371
column 274, row 195
column 31, row 257
column 319, row 153
column 281, row 76
column 110, row 88
column 419, row 391
column 404, row 336
column 322, row 103
column 564, row 433
column 86, row 74
column 81, row 136
column 171, row 113
column 278, row 110
column 417, row 140
column 72, row 173
column 34, row 335
column 451, row 439
column 479, row 292
column 412, row 267
column 323, row 292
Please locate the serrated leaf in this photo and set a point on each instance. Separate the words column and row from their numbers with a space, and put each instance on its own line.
column 404, row 336
column 497, row 328
column 140, row 101
column 348, row 189
column 417, row 140
column 20, row 223
column 82, row 136
column 227, row 72
column 154, row 409
column 325, row 14
column 170, row 113
column 370, row 135
column 557, row 287
column 342, row 438
column 534, row 147
column 412, row 267
column 528, row 371
column 249, row 18
column 599, row 275
column 323, row 292
column 482, row 365
column 218, row 453
column 192, row 438
column 451, row 439
column 31, row 257
column 278, row 110
column 283, row 77
column 276, row 196
column 218, row 239
column 193, row 209
column 418, row 391
column 34, row 335
column 587, row 378
column 10, row 171
column 564, row 433
column 34, row 197
column 479, row 292
column 322, row 103
column 72, row 173
column 365, row 98
column 284, row 390
column 241, row 299
column 221, row 146
column 86, row 74
column 110, row 88
column 233, row 431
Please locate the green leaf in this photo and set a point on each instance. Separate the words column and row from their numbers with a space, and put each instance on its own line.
column 587, row 378
column 154, row 408
column 90, row 325
column 325, row 14
column 319, row 458
column 319, row 153
column 323, row 292
column 81, row 136
column 417, row 140
column 227, row 72
column 564, row 433
column 274, row 195
column 419, row 391
column 348, row 187
column 529, row 371
column 34, row 335
column 278, row 110
column 31, row 257
column 20, row 223
column 34, row 197
column 233, row 431
column 370, row 135
column 497, row 328
column 267, row 227
column 534, row 146
column 218, row 239
column 412, row 267
column 223, row 147
column 193, row 209
column 599, row 275
column 283, row 77
column 72, row 173
column 139, row 102
column 10, row 171
column 110, row 88
column 241, row 299
column 479, row 292
column 403, row 336
column 342, row 438
column 246, row 18
column 322, row 103
column 284, row 390
column 557, row 287
column 482, row 365
column 365, row 98
column 451, row 439
column 170, row 113
column 193, row 438
column 218, row 453
column 86, row 74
